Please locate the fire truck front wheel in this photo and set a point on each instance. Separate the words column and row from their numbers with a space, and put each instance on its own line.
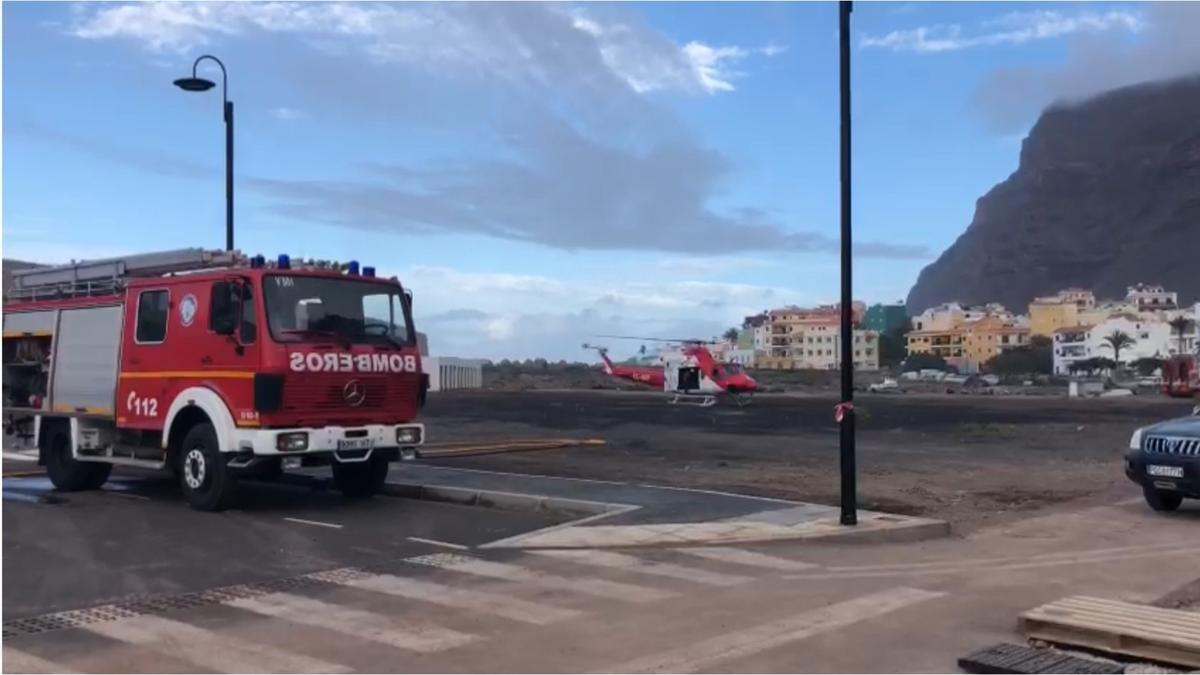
column 67, row 473
column 360, row 479
column 207, row 482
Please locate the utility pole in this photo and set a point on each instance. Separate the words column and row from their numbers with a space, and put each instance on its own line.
column 845, row 409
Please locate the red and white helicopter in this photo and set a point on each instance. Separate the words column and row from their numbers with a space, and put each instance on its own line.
column 688, row 370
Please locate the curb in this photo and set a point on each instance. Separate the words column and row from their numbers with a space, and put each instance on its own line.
column 496, row 499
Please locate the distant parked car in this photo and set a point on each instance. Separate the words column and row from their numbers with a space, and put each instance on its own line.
column 888, row 384
column 1164, row 459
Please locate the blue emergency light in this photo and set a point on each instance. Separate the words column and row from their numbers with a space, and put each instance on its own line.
column 285, row 263
column 368, row 272
column 352, row 268
column 258, row 262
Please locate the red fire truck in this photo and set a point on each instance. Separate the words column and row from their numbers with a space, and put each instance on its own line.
column 1181, row 376
column 214, row 366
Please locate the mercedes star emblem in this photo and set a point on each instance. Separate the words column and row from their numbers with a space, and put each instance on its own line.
column 354, row 393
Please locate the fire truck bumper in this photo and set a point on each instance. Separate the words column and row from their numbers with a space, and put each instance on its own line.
column 353, row 441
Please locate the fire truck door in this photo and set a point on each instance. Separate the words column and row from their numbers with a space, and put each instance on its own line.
column 146, row 360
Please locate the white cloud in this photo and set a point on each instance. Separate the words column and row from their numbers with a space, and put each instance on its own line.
column 287, row 114
column 1010, row 29
column 463, row 36
column 1010, row 98
column 710, row 265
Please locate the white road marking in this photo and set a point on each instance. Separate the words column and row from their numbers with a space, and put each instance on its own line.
column 413, row 636
column 968, row 562
column 444, row 544
column 207, row 649
column 126, row 495
column 740, row 556
column 314, row 522
column 19, row 456
column 587, row 586
column 17, row 661
column 522, row 475
column 706, row 654
column 950, row 568
column 720, row 493
column 621, row 561
column 459, row 598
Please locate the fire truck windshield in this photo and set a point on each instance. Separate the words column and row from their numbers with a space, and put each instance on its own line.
column 301, row 308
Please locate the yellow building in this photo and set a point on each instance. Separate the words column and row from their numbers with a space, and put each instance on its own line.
column 970, row 344
column 1049, row 313
column 947, row 343
column 988, row 337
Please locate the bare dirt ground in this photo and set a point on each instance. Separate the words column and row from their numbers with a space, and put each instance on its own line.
column 971, row 460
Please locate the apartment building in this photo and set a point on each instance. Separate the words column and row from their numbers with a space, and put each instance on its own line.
column 967, row 337
column 1049, row 313
column 1151, row 339
column 1150, row 297
column 819, row 347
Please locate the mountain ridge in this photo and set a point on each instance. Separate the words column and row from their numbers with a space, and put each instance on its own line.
column 1106, row 194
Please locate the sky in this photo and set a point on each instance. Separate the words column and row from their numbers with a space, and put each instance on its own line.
column 540, row 174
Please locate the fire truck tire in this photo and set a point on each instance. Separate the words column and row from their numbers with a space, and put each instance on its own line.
column 207, row 482
column 358, row 480
column 67, row 473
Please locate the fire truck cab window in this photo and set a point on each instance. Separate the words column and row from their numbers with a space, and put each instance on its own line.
column 223, row 307
column 358, row 312
column 152, row 317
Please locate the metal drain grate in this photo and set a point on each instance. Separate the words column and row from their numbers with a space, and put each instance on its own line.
column 1009, row 658
column 340, row 576
column 156, row 605
column 441, row 559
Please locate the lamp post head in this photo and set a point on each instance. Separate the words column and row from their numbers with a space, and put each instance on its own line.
column 194, row 84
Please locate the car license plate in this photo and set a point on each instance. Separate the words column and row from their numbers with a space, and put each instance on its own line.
column 1164, row 471
column 355, row 444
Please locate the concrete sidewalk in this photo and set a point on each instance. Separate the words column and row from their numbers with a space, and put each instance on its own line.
column 616, row 514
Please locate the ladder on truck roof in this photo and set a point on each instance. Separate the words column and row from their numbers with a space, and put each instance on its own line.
column 108, row 275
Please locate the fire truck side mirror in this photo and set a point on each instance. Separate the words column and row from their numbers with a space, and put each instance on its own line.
column 226, row 309
column 223, row 310
column 408, row 296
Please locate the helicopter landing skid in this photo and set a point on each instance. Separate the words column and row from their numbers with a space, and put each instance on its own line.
column 701, row 400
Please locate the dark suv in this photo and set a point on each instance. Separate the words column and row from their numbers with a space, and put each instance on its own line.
column 1164, row 459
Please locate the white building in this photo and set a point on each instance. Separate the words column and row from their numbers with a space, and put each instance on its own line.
column 1148, row 297
column 1151, row 339
column 1189, row 341
column 447, row 372
column 818, row 347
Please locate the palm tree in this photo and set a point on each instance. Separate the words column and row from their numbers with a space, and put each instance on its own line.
column 1180, row 324
column 731, row 335
column 1117, row 341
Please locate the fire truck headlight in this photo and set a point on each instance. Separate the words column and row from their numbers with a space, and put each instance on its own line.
column 408, row 435
column 292, row 441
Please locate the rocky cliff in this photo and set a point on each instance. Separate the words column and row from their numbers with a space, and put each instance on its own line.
column 1107, row 194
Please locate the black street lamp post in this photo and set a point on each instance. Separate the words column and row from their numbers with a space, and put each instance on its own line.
column 846, row 407
column 194, row 83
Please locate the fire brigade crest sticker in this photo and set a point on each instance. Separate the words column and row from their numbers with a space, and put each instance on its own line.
column 187, row 309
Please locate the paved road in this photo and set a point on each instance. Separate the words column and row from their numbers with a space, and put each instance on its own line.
column 138, row 536
column 785, row 607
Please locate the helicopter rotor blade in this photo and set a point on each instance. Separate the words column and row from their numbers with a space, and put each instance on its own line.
column 657, row 339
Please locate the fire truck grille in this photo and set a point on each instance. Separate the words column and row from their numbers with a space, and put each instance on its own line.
column 341, row 392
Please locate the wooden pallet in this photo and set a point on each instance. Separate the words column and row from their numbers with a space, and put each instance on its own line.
column 1166, row 635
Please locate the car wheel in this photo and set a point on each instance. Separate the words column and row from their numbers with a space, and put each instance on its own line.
column 67, row 473
column 360, row 479
column 1162, row 500
column 207, row 482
